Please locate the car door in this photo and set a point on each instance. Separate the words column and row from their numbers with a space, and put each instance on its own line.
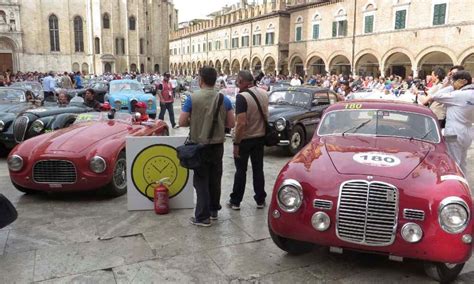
column 319, row 103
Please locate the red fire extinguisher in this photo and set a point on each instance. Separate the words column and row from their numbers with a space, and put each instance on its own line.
column 161, row 198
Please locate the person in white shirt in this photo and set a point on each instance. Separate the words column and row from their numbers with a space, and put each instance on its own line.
column 459, row 102
column 295, row 81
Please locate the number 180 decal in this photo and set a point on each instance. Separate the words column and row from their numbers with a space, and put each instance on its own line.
column 377, row 159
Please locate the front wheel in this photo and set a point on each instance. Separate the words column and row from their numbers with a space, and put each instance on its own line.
column 443, row 272
column 297, row 140
column 118, row 185
column 290, row 246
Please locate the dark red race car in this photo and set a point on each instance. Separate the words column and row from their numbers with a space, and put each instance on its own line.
column 376, row 177
column 88, row 155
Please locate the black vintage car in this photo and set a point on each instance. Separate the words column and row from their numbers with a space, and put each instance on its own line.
column 295, row 113
column 35, row 121
column 101, row 88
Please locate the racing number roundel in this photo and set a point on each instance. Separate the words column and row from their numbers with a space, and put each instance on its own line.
column 154, row 164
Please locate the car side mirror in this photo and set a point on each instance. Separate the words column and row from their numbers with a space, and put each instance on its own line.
column 315, row 102
column 8, row 213
column 137, row 116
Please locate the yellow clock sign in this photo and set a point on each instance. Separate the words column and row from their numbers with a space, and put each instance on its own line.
column 155, row 163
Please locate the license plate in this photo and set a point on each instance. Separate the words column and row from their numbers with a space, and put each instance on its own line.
column 56, row 185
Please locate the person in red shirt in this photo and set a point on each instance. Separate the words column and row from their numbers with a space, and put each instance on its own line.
column 141, row 107
column 166, row 97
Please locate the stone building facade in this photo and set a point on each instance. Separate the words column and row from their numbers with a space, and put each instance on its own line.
column 93, row 36
column 365, row 37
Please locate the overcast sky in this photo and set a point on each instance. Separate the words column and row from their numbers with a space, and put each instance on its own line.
column 193, row 9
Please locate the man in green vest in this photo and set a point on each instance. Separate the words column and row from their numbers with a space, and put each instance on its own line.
column 198, row 113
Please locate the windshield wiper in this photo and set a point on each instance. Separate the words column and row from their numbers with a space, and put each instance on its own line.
column 423, row 137
column 283, row 103
column 355, row 128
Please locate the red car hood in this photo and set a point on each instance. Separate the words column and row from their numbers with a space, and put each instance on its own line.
column 77, row 138
column 376, row 156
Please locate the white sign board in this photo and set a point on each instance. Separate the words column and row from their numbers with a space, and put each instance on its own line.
column 151, row 159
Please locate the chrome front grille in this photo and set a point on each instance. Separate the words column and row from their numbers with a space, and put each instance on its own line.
column 367, row 213
column 54, row 171
column 322, row 204
column 19, row 128
column 412, row 214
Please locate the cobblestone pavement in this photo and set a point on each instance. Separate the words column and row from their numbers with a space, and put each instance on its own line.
column 83, row 238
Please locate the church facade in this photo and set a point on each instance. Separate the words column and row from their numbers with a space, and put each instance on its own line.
column 92, row 36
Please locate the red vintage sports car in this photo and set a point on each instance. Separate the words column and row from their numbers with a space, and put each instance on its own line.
column 88, row 155
column 376, row 177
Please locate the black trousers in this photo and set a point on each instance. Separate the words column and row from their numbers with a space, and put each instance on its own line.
column 207, row 182
column 169, row 107
column 253, row 149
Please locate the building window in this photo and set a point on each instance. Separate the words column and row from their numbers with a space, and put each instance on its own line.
column 270, row 38
column 226, row 43
column 187, row 49
column 257, row 40
column 54, row 32
column 315, row 31
column 106, row 21
column 235, row 42
column 439, row 14
column 245, row 41
column 369, row 24
column 298, row 33
column 199, row 47
column 97, row 45
column 132, row 23
column 203, row 47
column 209, row 46
column 78, row 35
column 339, row 28
column 400, row 19
column 142, row 46
column 117, row 46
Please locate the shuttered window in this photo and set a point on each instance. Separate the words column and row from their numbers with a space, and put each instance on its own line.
column 439, row 16
column 369, row 24
column 316, row 31
column 400, row 19
column 299, row 31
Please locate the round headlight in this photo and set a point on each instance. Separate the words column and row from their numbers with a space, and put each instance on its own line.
column 118, row 105
column 280, row 124
column 98, row 164
column 290, row 196
column 320, row 221
column 2, row 125
column 37, row 126
column 453, row 215
column 412, row 232
column 15, row 163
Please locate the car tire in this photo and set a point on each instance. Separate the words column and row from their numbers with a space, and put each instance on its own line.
column 118, row 184
column 291, row 246
column 442, row 272
column 23, row 189
column 297, row 140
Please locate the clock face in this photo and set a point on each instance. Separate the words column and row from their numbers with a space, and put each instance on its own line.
column 156, row 163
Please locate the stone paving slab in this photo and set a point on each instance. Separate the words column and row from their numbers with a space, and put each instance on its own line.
column 185, row 240
column 59, row 232
column 191, row 268
column 90, row 256
column 101, row 276
column 17, row 268
column 3, row 240
column 256, row 259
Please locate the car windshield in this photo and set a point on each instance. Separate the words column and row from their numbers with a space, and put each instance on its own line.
column 290, row 97
column 125, row 86
column 32, row 86
column 380, row 123
column 11, row 95
column 102, row 116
